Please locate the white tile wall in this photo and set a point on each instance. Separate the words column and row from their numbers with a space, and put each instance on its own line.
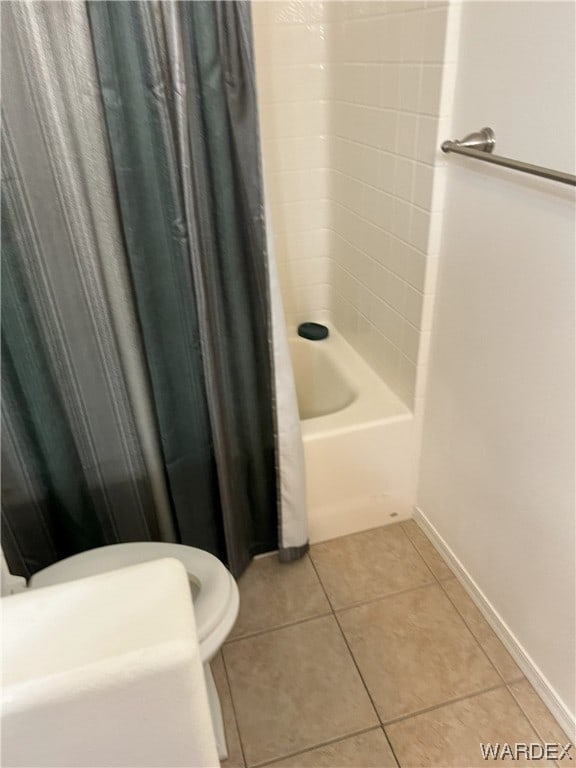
column 351, row 101
column 385, row 89
column 291, row 71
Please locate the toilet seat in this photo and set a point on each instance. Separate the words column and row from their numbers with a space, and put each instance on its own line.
column 214, row 591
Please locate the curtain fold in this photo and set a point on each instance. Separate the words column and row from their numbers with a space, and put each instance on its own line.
column 138, row 377
column 219, row 137
column 76, row 472
column 130, row 52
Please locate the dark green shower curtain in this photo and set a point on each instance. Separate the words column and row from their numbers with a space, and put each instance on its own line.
column 137, row 374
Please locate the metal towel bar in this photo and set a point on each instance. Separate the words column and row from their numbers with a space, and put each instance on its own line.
column 481, row 145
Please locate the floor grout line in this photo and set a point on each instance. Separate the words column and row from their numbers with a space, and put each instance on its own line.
column 421, row 556
column 333, row 611
column 445, row 593
column 436, row 581
column 356, row 666
column 330, row 612
column 278, row 627
column 526, row 715
column 439, row 554
column 317, row 746
column 234, row 711
column 365, row 684
column 469, row 628
column 521, row 708
column 371, row 600
column 439, row 582
column 389, row 594
column 448, row 702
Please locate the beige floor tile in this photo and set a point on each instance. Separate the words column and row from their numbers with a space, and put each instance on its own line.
column 365, row 750
column 295, row 688
column 423, row 544
column 368, row 565
column 414, row 651
column 482, row 631
column 235, row 759
column 451, row 735
column 538, row 713
column 273, row 594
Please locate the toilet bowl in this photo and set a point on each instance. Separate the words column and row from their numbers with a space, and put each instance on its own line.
column 214, row 596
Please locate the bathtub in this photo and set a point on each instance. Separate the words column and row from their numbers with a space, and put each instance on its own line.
column 359, row 440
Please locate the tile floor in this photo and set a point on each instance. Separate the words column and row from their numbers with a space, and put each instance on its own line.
column 368, row 653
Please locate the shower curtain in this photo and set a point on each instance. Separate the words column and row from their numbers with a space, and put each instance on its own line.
column 147, row 390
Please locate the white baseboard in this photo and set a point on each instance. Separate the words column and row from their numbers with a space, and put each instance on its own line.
column 565, row 718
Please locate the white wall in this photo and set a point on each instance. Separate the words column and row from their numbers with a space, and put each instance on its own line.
column 497, row 473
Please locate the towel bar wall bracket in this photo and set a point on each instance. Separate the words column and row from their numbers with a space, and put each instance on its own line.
column 481, row 144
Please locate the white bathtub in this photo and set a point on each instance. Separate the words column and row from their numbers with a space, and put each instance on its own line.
column 359, row 440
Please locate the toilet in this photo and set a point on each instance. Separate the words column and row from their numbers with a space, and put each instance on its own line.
column 214, row 595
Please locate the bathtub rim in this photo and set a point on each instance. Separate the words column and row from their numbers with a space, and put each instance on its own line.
column 375, row 403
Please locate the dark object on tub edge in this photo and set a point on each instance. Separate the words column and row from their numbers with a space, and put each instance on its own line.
column 313, row 331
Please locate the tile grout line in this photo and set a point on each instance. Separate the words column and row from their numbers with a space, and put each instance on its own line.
column 277, row 627
column 436, row 582
column 351, row 607
column 469, row 628
column 507, row 683
column 526, row 715
column 332, row 611
column 368, row 692
column 521, row 708
column 341, row 737
column 399, row 524
column 316, row 746
column 439, row 582
column 460, row 613
column 445, row 593
column 436, row 579
column 331, row 608
column 356, row 665
column 448, row 702
column 238, row 731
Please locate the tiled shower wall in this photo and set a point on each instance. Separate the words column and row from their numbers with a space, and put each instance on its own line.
column 292, row 76
column 385, row 87
column 351, row 108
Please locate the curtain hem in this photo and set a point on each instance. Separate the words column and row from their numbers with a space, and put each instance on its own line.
column 289, row 554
